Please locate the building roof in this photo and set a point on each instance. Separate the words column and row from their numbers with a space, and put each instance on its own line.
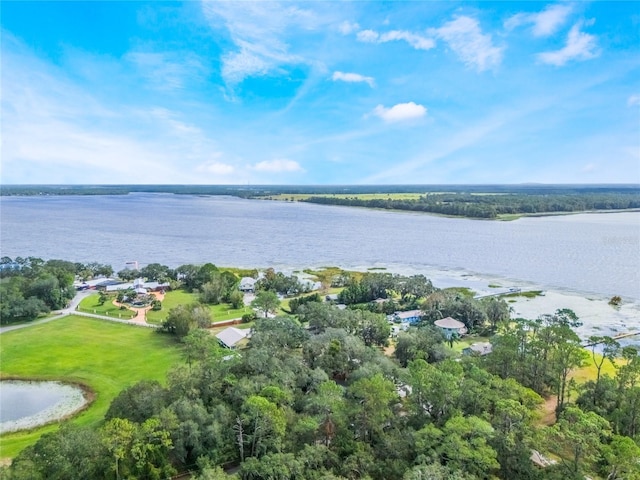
column 409, row 314
column 247, row 283
column 118, row 286
column 231, row 336
column 448, row 323
column 481, row 348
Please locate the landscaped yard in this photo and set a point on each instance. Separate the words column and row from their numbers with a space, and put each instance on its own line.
column 174, row 298
column 91, row 304
column 106, row 356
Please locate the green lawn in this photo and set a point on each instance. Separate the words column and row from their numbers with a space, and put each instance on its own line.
column 360, row 196
column 106, row 356
column 91, row 304
column 174, row 298
column 589, row 370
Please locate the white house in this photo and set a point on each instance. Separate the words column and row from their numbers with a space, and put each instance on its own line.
column 247, row 284
column 410, row 316
column 309, row 285
column 450, row 326
column 139, row 285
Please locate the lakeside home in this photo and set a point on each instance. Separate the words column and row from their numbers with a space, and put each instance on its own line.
column 410, row 316
column 450, row 326
column 247, row 285
column 139, row 285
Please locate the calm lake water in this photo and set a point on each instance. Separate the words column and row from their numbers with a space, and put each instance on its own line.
column 26, row 404
column 593, row 253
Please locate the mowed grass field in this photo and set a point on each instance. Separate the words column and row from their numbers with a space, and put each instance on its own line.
column 179, row 297
column 105, row 356
column 91, row 304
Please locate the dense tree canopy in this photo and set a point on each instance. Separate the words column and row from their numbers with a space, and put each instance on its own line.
column 314, row 396
column 34, row 287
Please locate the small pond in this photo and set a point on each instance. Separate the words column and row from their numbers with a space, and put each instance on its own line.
column 28, row 404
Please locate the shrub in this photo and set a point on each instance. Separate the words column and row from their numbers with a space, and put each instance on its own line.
column 249, row 317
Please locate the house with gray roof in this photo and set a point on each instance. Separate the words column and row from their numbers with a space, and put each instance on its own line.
column 450, row 326
column 247, row 284
column 231, row 337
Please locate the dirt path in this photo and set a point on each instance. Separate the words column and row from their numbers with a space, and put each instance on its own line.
column 548, row 410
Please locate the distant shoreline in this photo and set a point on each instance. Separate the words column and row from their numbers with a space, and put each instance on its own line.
column 483, row 202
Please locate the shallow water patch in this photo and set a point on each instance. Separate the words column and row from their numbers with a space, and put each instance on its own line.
column 27, row 404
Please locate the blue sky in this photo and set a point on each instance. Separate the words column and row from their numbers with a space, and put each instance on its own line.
column 320, row 92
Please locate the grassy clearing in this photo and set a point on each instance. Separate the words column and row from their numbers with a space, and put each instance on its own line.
column 509, row 217
column 589, row 371
column 462, row 291
column 174, row 298
column 105, row 356
column 91, row 304
column 528, row 294
column 240, row 272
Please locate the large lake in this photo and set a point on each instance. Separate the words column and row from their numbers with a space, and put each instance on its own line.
column 593, row 253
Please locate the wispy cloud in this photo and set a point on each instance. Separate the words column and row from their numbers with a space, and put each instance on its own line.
column 353, row 78
column 346, row 28
column 258, row 31
column 465, row 38
column 216, row 168
column 56, row 130
column 579, row 46
column 544, row 23
column 418, row 42
column 400, row 112
column 278, row 165
column 167, row 71
column 633, row 100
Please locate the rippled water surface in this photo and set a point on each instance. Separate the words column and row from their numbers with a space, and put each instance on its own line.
column 598, row 253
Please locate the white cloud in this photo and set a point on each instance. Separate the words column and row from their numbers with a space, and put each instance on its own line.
column 278, row 165
column 633, row 101
column 346, row 28
column 580, row 46
column 259, row 31
column 400, row 112
column 416, row 41
column 367, row 36
column 353, row 78
column 465, row 38
column 216, row 168
column 545, row 23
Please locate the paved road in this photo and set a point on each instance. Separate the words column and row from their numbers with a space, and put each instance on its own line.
column 71, row 310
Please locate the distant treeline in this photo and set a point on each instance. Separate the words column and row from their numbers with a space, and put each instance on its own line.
column 252, row 191
column 493, row 205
